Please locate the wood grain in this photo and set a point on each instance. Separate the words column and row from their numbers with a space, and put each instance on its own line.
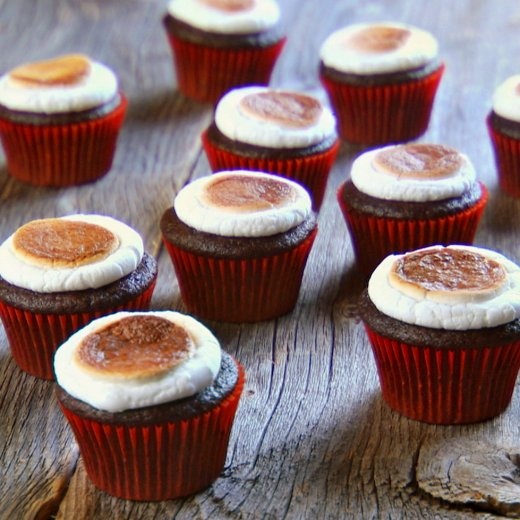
column 313, row 438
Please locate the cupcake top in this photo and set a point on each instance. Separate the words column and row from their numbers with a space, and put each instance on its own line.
column 132, row 360
column 68, row 83
column 414, row 172
column 506, row 99
column 226, row 16
column 242, row 203
column 376, row 48
column 273, row 118
column 454, row 288
column 70, row 253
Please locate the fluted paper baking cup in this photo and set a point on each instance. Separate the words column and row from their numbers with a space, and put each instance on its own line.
column 205, row 73
column 62, row 155
column 445, row 386
column 159, row 461
column 383, row 114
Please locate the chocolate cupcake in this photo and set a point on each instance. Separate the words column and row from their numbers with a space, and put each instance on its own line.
column 151, row 399
column 221, row 44
column 404, row 197
column 503, row 123
column 381, row 79
column 444, row 326
column 239, row 242
column 277, row 131
column 58, row 274
column 59, row 120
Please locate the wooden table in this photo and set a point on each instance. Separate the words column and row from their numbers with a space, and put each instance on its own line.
column 313, row 438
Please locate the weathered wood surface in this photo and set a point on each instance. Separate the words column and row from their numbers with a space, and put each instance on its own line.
column 313, row 438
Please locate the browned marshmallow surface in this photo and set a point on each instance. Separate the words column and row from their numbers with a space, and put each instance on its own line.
column 447, row 270
column 418, row 161
column 378, row 38
column 63, row 243
column 290, row 109
column 135, row 346
column 230, row 5
column 69, row 69
column 248, row 193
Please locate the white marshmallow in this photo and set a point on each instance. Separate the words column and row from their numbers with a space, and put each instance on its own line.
column 239, row 126
column 47, row 279
column 506, row 99
column 462, row 313
column 370, row 180
column 420, row 48
column 263, row 15
column 99, row 87
column 193, row 208
column 116, row 394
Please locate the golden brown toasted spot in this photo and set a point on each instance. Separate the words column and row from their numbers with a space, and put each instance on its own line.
column 418, row 161
column 378, row 38
column 135, row 346
column 290, row 109
column 247, row 193
column 69, row 69
column 449, row 270
column 230, row 5
column 63, row 243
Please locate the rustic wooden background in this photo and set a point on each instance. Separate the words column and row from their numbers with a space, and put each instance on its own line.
column 313, row 438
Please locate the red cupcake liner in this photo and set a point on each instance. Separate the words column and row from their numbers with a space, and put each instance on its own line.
column 241, row 290
column 445, row 386
column 205, row 73
column 507, row 158
column 311, row 171
column 34, row 337
column 62, row 155
column 157, row 462
column 383, row 114
column 374, row 238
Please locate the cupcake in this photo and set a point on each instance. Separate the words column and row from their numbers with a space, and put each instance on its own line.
column 444, row 327
column 277, row 131
column 239, row 242
column 59, row 120
column 151, row 399
column 221, row 44
column 503, row 123
column 403, row 197
column 58, row 274
column 381, row 80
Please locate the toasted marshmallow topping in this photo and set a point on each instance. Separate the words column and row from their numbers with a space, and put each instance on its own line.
column 70, row 69
column 242, row 204
column 289, row 109
column 448, row 274
column 413, row 172
column 227, row 16
column 264, row 116
column 506, row 99
column 453, row 288
column 135, row 346
column 378, row 39
column 230, row 5
column 378, row 48
column 63, row 243
column 70, row 253
column 131, row 360
column 67, row 83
